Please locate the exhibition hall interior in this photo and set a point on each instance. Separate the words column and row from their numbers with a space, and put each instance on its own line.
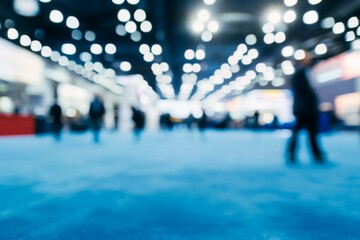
column 180, row 119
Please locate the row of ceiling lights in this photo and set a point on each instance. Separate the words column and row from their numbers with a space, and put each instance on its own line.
column 268, row 74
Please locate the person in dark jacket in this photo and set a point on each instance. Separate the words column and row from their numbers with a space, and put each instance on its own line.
column 306, row 110
column 55, row 114
column 138, row 118
column 96, row 116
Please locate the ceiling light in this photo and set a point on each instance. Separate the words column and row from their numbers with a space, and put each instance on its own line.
column 311, row 17
column 27, row 8
column 269, row 38
column 260, row 67
column 35, row 46
column 133, row 2
column 287, row 51
column 123, row 15
column 90, row 36
column 96, row 49
column 355, row 45
column 290, row 16
column 204, row 15
column 72, row 22
column 76, row 34
column 46, row 51
column 156, row 49
column 246, row 60
column 196, row 67
column 12, row 34
column 268, row 28
column 125, row 66
column 299, row 54
column 209, row 2
column 290, row 3
column 200, row 54
column 120, row 30
column 339, row 28
column 189, row 54
column 25, row 40
column 68, row 49
column 130, row 27
column 45, row 1
column 207, row 36
column 146, row 26
column 198, row 26
column 110, row 48
column 118, row 2
column 56, row 16
column 144, row 48
column 253, row 53
column 242, row 48
column 213, row 26
column 140, row 15
column 187, row 68
column 321, row 49
column 353, row 22
column 350, row 36
column 149, row 57
column 274, row 17
column 328, row 22
column 280, row 37
column 250, row 39
column 85, row 57
column 314, row 2
column 136, row 36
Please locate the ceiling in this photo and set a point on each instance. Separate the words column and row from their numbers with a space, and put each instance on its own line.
column 172, row 29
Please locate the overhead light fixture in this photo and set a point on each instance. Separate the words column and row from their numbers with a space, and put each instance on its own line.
column 96, row 49
column 209, row 2
column 56, row 16
column 27, row 8
column 68, row 49
column 146, row 26
column 12, row 34
column 290, row 3
column 311, row 17
column 72, row 22
column 321, row 49
column 274, row 16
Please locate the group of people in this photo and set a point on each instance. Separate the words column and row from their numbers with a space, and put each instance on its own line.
column 96, row 115
column 95, row 119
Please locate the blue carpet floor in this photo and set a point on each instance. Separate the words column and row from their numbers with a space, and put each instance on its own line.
column 224, row 185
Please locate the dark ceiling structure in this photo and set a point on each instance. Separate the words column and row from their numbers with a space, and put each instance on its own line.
column 180, row 28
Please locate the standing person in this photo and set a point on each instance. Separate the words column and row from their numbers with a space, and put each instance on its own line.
column 138, row 118
column 55, row 114
column 306, row 110
column 96, row 115
column 202, row 124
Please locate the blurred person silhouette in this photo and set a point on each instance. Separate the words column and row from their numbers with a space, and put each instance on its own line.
column 138, row 118
column 305, row 110
column 256, row 124
column 55, row 114
column 202, row 123
column 96, row 116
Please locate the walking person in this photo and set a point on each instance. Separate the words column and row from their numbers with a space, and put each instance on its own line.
column 306, row 111
column 55, row 114
column 96, row 117
column 138, row 118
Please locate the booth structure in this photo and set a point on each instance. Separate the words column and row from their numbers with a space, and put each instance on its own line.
column 13, row 125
